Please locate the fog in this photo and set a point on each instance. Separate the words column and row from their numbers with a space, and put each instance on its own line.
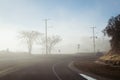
column 71, row 21
column 9, row 40
column 59, row 39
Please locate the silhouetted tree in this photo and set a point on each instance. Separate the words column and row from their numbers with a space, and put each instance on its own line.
column 113, row 30
column 29, row 37
column 51, row 42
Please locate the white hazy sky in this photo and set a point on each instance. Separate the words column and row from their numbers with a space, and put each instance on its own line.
column 70, row 19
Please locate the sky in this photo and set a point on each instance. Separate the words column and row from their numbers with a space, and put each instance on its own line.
column 70, row 19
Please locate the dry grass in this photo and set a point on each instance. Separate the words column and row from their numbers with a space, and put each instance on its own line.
column 89, row 65
column 113, row 57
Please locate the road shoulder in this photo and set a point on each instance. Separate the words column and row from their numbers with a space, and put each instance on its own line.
column 75, row 69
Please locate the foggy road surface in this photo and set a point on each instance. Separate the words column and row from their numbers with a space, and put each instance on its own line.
column 38, row 67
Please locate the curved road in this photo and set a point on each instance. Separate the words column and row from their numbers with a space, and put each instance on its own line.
column 38, row 67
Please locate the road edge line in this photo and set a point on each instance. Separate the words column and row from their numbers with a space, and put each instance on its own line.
column 55, row 73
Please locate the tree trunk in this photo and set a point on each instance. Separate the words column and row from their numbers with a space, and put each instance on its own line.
column 29, row 48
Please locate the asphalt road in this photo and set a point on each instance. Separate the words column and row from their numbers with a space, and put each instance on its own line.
column 38, row 67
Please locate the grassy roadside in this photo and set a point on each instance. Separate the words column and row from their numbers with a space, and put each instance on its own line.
column 88, row 65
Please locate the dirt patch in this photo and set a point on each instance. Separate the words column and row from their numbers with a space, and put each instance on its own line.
column 88, row 65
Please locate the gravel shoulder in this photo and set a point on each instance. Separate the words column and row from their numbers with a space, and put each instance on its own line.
column 87, row 65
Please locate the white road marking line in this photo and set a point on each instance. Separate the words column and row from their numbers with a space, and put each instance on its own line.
column 87, row 77
column 55, row 73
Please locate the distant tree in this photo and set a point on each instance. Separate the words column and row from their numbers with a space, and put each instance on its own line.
column 51, row 42
column 29, row 37
column 113, row 30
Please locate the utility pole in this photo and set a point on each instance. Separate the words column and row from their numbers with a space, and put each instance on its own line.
column 46, row 20
column 78, row 47
column 94, row 37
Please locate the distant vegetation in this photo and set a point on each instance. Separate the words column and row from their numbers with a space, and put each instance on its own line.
column 31, row 37
column 113, row 31
column 51, row 42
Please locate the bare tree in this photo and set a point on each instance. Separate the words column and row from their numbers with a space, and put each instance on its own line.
column 51, row 42
column 29, row 37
